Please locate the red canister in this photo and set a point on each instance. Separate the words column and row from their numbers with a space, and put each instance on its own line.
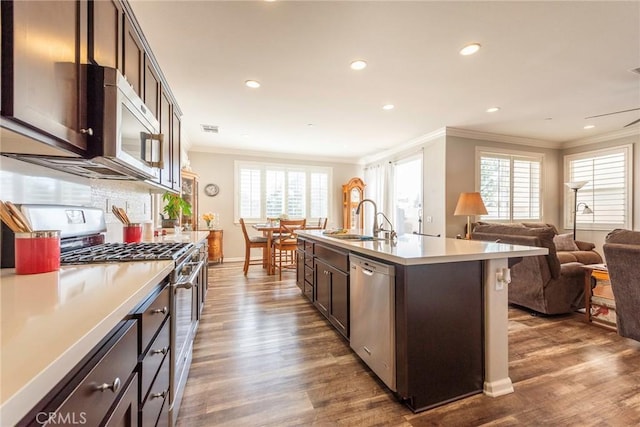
column 37, row 252
column 132, row 233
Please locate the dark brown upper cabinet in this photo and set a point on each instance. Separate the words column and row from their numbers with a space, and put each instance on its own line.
column 175, row 150
column 151, row 87
column 166, row 177
column 133, row 57
column 44, row 44
column 105, row 33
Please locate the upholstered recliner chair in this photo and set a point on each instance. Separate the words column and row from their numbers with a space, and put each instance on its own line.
column 622, row 252
column 540, row 283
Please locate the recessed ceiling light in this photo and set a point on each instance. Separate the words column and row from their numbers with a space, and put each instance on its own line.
column 493, row 109
column 388, row 107
column 253, row 84
column 470, row 49
column 310, row 125
column 589, row 126
column 358, row 65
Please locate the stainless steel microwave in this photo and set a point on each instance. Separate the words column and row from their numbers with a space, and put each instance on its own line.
column 124, row 129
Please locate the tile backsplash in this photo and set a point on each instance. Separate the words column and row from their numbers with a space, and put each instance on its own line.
column 22, row 182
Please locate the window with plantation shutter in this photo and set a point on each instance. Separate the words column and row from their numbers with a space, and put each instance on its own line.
column 510, row 185
column 607, row 191
column 270, row 190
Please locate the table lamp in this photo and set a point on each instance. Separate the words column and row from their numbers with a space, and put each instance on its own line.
column 470, row 204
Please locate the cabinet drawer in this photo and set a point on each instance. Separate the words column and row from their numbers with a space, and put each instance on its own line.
column 126, row 411
column 308, row 274
column 308, row 247
column 339, row 260
column 103, row 385
column 159, row 392
column 308, row 260
column 152, row 317
column 153, row 359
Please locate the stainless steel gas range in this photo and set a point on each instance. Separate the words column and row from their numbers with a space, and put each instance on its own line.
column 82, row 242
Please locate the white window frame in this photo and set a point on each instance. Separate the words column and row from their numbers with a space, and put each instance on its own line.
column 263, row 167
column 627, row 151
column 512, row 154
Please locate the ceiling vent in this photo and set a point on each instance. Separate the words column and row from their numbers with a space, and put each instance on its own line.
column 209, row 128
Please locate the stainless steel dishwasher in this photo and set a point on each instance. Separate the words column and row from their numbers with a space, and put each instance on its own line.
column 372, row 318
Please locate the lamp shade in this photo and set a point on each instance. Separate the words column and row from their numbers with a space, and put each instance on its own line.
column 470, row 204
column 576, row 185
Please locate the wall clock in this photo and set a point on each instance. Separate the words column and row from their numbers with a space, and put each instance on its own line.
column 211, row 190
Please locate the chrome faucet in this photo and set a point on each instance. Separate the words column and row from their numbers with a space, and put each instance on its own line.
column 375, row 215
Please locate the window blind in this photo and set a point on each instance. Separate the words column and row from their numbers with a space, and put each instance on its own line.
column 510, row 186
column 607, row 191
column 270, row 190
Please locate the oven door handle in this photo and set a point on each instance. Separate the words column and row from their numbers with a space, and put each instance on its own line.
column 190, row 282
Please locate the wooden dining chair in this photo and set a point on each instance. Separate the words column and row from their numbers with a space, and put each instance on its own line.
column 251, row 242
column 283, row 247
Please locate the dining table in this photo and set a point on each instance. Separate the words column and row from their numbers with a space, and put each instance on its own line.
column 267, row 230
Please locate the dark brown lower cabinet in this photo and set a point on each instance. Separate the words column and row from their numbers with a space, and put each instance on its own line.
column 126, row 412
column 90, row 393
column 331, row 286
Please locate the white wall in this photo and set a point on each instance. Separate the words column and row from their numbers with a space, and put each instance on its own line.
column 22, row 182
column 219, row 169
column 434, row 184
column 598, row 236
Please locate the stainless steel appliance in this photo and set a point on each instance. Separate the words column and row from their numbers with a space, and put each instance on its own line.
column 372, row 316
column 82, row 242
column 123, row 135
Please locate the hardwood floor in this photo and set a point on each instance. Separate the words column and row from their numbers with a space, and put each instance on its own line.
column 264, row 356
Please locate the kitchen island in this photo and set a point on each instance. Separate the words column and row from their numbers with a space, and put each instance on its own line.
column 52, row 321
column 450, row 309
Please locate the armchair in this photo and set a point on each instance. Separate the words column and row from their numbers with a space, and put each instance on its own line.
column 622, row 252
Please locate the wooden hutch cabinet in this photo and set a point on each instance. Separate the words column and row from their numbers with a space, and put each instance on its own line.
column 352, row 194
column 190, row 194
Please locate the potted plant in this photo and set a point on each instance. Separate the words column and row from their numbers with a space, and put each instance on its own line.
column 174, row 205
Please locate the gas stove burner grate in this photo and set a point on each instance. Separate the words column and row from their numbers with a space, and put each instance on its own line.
column 121, row 252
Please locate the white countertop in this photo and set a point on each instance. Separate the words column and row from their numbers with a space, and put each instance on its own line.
column 51, row 321
column 412, row 249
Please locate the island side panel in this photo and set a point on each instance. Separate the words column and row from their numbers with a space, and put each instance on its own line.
column 439, row 332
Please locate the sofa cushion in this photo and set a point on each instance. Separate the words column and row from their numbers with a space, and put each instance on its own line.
column 564, row 242
column 539, row 225
column 503, row 231
column 623, row 236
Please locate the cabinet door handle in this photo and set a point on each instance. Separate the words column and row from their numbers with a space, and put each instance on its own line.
column 162, row 310
column 162, row 394
column 163, row 350
column 87, row 131
column 114, row 387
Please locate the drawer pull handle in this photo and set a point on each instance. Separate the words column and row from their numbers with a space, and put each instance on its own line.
column 162, row 394
column 163, row 350
column 162, row 310
column 115, row 386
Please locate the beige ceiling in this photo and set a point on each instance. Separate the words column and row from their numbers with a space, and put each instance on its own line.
column 547, row 65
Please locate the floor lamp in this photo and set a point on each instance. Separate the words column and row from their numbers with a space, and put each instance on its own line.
column 470, row 204
column 575, row 186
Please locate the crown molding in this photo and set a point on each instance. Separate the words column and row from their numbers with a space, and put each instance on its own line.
column 609, row 136
column 272, row 155
column 422, row 139
column 507, row 139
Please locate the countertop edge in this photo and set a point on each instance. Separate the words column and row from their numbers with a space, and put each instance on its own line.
column 491, row 250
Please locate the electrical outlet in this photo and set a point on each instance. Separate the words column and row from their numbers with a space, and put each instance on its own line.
column 429, row 219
